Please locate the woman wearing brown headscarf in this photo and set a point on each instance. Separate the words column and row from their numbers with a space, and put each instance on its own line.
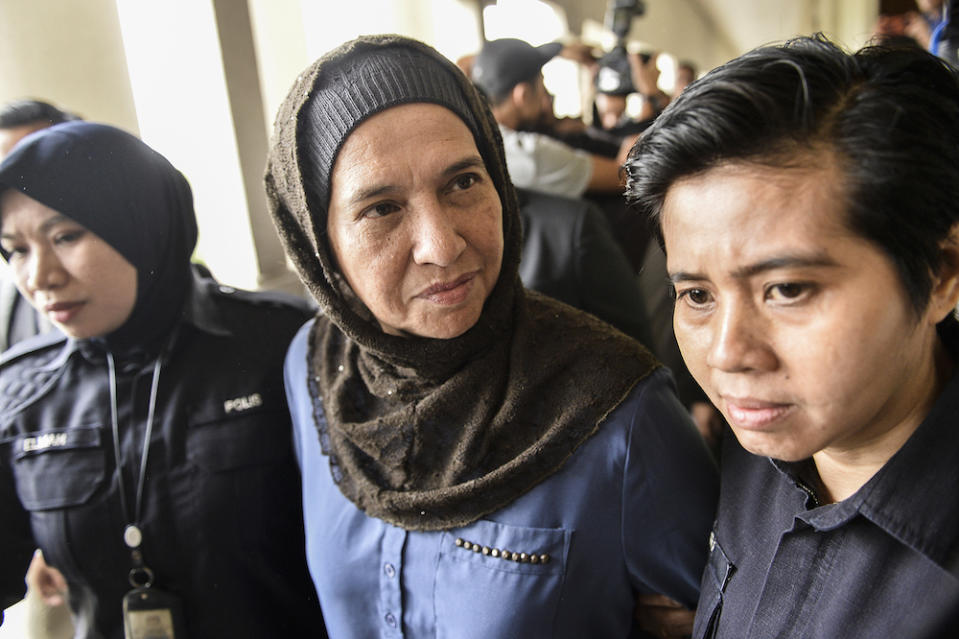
column 478, row 460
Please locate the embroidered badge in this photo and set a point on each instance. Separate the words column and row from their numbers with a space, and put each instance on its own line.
column 242, row 403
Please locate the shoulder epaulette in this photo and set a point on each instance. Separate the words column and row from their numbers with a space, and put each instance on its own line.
column 269, row 298
column 28, row 369
column 33, row 344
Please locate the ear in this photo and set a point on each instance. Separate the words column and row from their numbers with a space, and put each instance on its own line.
column 522, row 93
column 945, row 284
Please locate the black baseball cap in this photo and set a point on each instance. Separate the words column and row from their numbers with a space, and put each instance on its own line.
column 502, row 64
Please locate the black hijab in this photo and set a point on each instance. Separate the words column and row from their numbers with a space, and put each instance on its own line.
column 131, row 197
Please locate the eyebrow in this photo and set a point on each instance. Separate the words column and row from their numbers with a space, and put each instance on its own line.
column 816, row 260
column 47, row 224
column 376, row 190
column 471, row 162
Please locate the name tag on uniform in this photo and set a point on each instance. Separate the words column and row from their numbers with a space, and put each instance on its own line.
column 37, row 443
column 44, row 441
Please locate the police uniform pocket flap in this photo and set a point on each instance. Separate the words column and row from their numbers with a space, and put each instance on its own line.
column 241, row 441
column 58, row 468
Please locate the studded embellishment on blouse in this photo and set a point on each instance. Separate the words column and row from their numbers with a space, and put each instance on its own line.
column 504, row 554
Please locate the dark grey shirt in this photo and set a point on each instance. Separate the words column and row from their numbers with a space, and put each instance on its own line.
column 881, row 563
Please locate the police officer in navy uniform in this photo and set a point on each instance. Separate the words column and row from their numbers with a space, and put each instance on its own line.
column 145, row 448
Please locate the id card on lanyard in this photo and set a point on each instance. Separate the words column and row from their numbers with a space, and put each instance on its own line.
column 148, row 613
column 152, row 614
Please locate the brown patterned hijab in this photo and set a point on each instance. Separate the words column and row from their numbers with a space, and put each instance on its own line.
column 429, row 434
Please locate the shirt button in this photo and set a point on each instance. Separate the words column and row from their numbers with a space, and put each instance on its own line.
column 389, row 570
column 390, row 620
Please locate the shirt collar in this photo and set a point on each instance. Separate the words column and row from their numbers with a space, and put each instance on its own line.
column 912, row 497
column 199, row 311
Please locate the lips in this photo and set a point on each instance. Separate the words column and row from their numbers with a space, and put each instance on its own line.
column 62, row 312
column 449, row 293
column 754, row 414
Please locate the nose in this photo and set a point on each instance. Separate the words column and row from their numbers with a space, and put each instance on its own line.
column 44, row 270
column 437, row 238
column 738, row 342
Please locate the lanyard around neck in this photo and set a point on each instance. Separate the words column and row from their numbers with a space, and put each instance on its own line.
column 132, row 533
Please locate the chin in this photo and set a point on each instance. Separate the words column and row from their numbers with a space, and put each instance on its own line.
column 73, row 332
column 447, row 331
column 443, row 333
column 448, row 325
column 766, row 445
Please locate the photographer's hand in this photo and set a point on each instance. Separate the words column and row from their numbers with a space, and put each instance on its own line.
column 580, row 53
column 645, row 75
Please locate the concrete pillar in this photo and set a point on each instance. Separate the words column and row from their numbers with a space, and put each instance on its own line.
column 68, row 52
column 195, row 84
column 241, row 71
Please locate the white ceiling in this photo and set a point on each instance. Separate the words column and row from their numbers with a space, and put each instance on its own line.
column 744, row 24
column 748, row 23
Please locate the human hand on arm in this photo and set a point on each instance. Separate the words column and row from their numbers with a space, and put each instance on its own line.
column 608, row 174
column 625, row 147
column 661, row 616
column 917, row 28
column 580, row 53
column 645, row 76
column 46, row 580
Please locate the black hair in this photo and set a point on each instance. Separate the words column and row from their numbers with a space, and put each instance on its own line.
column 23, row 112
column 890, row 116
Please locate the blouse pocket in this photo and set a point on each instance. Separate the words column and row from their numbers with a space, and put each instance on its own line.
column 719, row 569
column 58, row 468
column 498, row 580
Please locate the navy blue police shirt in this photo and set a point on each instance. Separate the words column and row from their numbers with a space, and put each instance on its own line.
column 882, row 563
column 221, row 515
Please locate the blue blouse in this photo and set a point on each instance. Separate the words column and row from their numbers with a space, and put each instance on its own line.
column 629, row 513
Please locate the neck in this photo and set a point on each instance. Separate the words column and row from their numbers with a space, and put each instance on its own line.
column 845, row 468
column 506, row 115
